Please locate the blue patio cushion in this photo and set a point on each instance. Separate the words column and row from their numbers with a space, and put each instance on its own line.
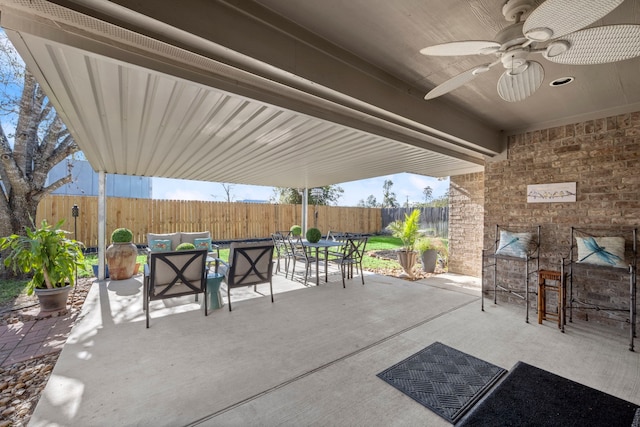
column 203, row 243
column 607, row 251
column 160, row 245
column 174, row 237
column 514, row 244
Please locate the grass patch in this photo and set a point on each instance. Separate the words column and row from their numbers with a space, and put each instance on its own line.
column 10, row 289
column 379, row 243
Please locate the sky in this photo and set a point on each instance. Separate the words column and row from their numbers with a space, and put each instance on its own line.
column 405, row 186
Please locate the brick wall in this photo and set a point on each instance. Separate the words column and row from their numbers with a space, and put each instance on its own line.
column 466, row 200
column 603, row 157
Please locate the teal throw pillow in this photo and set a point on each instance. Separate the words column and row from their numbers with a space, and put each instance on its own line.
column 514, row 244
column 203, row 243
column 160, row 245
column 608, row 251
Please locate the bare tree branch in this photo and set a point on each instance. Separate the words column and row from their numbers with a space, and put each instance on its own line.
column 37, row 195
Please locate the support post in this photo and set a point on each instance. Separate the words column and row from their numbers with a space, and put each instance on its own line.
column 102, row 223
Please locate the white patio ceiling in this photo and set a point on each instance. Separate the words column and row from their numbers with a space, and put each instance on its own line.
column 139, row 106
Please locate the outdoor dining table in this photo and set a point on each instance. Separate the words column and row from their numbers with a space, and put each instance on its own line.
column 322, row 244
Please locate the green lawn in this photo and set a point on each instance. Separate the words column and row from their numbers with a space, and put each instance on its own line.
column 11, row 288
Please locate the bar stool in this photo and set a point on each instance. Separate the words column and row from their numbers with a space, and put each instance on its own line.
column 544, row 277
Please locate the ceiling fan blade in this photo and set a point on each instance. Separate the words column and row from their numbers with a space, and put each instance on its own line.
column 598, row 45
column 469, row 47
column 517, row 87
column 457, row 81
column 556, row 18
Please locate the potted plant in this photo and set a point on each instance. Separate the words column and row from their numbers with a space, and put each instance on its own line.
column 296, row 230
column 121, row 254
column 407, row 231
column 428, row 251
column 51, row 257
column 313, row 235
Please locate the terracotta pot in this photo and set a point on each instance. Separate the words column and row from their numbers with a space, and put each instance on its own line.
column 53, row 299
column 121, row 260
column 407, row 260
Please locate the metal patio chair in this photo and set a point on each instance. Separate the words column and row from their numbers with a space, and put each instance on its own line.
column 250, row 264
column 351, row 255
column 282, row 251
column 174, row 274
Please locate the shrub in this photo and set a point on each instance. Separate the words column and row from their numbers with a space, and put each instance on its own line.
column 313, row 235
column 424, row 244
column 295, row 230
column 407, row 230
column 186, row 246
column 121, row 235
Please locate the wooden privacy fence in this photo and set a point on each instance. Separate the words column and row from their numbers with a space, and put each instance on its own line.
column 225, row 221
column 434, row 220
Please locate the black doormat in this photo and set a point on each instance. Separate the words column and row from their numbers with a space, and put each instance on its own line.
column 443, row 379
column 530, row 396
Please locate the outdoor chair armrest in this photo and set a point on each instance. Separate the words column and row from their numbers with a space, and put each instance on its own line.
column 147, row 253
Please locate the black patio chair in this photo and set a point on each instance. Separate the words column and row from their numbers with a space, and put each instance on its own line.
column 250, row 264
column 282, row 251
column 175, row 274
column 351, row 255
column 299, row 252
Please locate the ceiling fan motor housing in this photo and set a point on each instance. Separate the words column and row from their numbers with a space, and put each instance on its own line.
column 513, row 10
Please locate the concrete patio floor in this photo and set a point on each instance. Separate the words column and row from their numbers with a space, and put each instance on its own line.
column 309, row 359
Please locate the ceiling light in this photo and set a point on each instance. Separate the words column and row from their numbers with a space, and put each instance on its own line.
column 561, row 81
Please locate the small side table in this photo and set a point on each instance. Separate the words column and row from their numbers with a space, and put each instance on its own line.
column 544, row 277
column 214, row 280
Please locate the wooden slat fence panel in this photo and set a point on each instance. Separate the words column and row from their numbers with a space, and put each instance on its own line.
column 225, row 221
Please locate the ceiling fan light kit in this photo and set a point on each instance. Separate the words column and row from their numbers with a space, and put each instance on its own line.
column 516, row 87
column 554, row 29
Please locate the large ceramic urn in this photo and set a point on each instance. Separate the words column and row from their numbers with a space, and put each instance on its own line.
column 407, row 259
column 121, row 259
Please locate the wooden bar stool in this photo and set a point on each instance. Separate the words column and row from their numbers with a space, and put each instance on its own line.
column 544, row 277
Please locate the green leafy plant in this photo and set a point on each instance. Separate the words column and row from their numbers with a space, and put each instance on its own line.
column 121, row 235
column 295, row 230
column 45, row 251
column 424, row 244
column 313, row 235
column 186, row 246
column 407, row 230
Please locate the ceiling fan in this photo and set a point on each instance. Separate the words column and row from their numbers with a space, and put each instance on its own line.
column 553, row 29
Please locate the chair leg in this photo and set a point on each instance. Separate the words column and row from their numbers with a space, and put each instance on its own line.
column 229, row 296
column 145, row 303
column 271, row 289
column 343, row 271
column 206, row 308
column 361, row 274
